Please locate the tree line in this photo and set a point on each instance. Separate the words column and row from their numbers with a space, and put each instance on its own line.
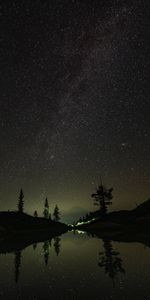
column 102, row 197
column 46, row 213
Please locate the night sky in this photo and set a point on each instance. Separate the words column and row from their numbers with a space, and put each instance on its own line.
column 74, row 102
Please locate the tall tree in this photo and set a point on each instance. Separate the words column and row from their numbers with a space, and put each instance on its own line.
column 21, row 202
column 103, row 197
column 56, row 214
column 46, row 209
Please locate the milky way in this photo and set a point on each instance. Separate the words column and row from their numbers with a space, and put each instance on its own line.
column 74, row 102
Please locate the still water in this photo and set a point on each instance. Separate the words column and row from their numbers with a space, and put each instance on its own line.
column 76, row 266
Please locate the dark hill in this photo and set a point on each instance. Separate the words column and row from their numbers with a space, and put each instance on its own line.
column 143, row 208
column 14, row 222
column 137, row 219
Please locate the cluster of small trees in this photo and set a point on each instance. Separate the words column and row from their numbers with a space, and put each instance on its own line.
column 85, row 218
column 46, row 213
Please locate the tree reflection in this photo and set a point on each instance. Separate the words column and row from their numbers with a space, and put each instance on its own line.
column 57, row 244
column 34, row 246
column 46, row 247
column 17, row 263
column 110, row 260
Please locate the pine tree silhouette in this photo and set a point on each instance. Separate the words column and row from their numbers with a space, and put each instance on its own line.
column 103, row 197
column 46, row 209
column 21, row 202
column 56, row 214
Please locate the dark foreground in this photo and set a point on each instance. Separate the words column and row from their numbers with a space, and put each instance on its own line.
column 14, row 223
column 126, row 223
column 73, row 266
column 39, row 262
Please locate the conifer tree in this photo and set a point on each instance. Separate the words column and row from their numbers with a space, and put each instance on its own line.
column 21, row 202
column 46, row 209
column 103, row 197
column 56, row 214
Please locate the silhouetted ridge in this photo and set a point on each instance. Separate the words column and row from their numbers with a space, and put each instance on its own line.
column 143, row 208
column 17, row 221
column 123, row 220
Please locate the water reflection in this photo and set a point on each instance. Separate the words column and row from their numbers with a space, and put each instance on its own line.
column 46, row 252
column 17, row 263
column 34, row 246
column 81, row 261
column 46, row 246
column 57, row 241
column 110, row 260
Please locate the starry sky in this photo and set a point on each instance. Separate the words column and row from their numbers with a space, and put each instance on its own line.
column 74, row 102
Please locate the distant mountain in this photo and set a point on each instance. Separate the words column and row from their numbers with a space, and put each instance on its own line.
column 73, row 214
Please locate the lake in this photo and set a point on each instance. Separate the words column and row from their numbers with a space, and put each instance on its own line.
column 76, row 266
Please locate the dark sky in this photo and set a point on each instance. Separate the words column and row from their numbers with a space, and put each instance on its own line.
column 74, row 101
